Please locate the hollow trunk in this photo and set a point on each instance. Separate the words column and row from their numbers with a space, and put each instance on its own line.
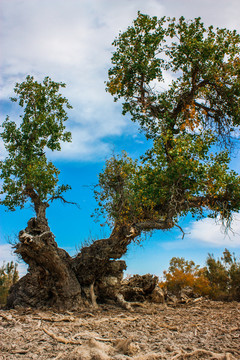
column 55, row 279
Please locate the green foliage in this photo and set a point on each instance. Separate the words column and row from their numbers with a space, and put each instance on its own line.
column 116, row 195
column 8, row 276
column 206, row 63
column 26, row 172
column 184, row 171
column 224, row 276
column 155, row 188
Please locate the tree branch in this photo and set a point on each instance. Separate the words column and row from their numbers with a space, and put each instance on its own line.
column 63, row 200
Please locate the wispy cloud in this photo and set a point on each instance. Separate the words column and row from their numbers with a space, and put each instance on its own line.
column 207, row 233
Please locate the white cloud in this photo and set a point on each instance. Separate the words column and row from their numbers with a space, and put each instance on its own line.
column 7, row 255
column 208, row 232
column 71, row 42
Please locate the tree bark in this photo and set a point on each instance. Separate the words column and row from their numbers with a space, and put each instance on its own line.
column 55, row 279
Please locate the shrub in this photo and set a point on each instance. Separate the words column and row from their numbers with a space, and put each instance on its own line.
column 183, row 273
column 220, row 279
column 8, row 276
column 224, row 276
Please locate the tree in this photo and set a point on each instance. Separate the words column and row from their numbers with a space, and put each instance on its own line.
column 183, row 273
column 54, row 278
column 185, row 170
column 190, row 123
column 224, row 276
column 28, row 175
column 26, row 172
column 219, row 279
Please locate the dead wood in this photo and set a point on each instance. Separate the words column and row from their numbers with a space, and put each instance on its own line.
column 50, row 319
column 61, row 338
column 21, row 351
column 143, row 334
column 182, row 355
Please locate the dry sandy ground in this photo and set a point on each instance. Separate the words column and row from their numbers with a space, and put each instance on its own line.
column 197, row 330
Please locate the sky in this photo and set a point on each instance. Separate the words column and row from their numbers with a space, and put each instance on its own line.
column 70, row 41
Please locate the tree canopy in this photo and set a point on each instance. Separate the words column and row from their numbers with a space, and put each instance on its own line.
column 26, row 172
column 181, row 83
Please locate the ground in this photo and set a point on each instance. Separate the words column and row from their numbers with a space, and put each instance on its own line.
column 200, row 329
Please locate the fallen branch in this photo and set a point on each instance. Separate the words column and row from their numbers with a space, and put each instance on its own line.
column 87, row 337
column 66, row 319
column 20, row 351
column 8, row 318
column 61, row 338
column 169, row 327
column 74, row 342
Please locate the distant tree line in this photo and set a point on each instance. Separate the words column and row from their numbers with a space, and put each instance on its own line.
column 219, row 279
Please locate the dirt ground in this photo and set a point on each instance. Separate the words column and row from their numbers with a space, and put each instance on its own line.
column 197, row 330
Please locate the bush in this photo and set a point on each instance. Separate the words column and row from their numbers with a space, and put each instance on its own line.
column 8, row 276
column 220, row 279
column 183, row 273
column 224, row 277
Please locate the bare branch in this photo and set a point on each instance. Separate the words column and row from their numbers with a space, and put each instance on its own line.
column 63, row 200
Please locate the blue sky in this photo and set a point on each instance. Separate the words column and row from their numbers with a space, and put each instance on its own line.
column 70, row 41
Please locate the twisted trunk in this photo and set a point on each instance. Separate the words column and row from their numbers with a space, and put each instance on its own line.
column 56, row 279
column 40, row 206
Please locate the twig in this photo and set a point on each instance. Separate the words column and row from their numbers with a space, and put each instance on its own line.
column 87, row 337
column 237, row 328
column 59, row 356
column 74, row 342
column 170, row 327
column 61, row 338
column 66, row 319
column 198, row 299
column 232, row 350
column 183, row 232
column 20, row 351
column 63, row 200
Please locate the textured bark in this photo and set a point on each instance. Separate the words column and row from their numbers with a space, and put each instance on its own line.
column 55, row 279
column 141, row 288
column 50, row 280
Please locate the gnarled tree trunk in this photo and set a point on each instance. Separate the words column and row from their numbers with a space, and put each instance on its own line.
column 56, row 279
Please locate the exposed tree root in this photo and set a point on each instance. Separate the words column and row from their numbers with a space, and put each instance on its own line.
column 123, row 303
column 93, row 296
